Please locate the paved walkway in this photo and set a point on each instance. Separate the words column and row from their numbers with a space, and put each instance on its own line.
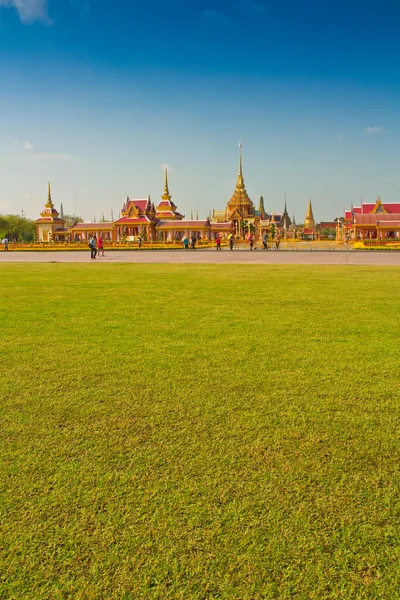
column 272, row 257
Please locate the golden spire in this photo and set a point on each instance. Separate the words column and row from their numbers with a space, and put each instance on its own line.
column 309, row 221
column 240, row 157
column 166, row 194
column 166, row 190
column 197, row 215
column 49, row 202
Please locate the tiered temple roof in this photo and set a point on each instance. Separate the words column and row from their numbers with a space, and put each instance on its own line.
column 367, row 208
column 49, row 214
column 139, row 211
column 166, row 209
column 240, row 206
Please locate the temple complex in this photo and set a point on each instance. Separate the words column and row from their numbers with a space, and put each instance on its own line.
column 140, row 218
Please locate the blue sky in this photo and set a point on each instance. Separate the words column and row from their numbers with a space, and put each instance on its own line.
column 97, row 96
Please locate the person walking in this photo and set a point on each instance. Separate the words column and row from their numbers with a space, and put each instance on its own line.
column 265, row 241
column 186, row 243
column 231, row 242
column 100, row 247
column 251, row 242
column 277, row 242
column 218, row 242
column 5, row 243
column 193, row 243
column 139, row 241
column 92, row 246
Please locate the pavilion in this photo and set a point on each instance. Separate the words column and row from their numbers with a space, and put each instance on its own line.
column 377, row 220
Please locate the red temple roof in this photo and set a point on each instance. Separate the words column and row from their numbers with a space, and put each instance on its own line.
column 179, row 224
column 96, row 226
column 141, row 204
column 49, row 220
column 134, row 220
column 369, row 219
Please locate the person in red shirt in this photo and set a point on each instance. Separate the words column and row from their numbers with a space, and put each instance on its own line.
column 100, row 247
column 218, row 242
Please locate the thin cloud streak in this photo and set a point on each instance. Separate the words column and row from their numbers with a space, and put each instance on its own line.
column 216, row 17
column 29, row 10
column 373, row 129
column 52, row 156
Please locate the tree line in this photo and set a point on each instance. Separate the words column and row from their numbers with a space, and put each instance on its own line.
column 21, row 229
column 16, row 228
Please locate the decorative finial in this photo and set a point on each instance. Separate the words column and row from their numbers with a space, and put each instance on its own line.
column 48, row 193
column 240, row 157
column 61, row 211
column 112, row 215
column 197, row 215
column 166, row 190
column 191, row 215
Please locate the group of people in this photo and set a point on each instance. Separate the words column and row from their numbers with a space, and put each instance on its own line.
column 189, row 243
column 230, row 240
column 250, row 239
column 96, row 247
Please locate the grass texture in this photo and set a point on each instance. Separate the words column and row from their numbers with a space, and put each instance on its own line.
column 199, row 432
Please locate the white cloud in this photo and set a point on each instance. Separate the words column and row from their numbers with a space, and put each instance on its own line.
column 29, row 10
column 217, row 17
column 28, row 145
column 373, row 129
column 52, row 156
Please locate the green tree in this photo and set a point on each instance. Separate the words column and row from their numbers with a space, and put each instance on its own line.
column 328, row 231
column 272, row 230
column 17, row 228
column 71, row 219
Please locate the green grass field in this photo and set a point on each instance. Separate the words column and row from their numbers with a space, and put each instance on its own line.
column 199, row 432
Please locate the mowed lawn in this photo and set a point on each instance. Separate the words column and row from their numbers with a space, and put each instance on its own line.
column 199, row 432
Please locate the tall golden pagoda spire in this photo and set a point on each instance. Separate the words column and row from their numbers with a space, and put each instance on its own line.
column 166, row 195
column 240, row 200
column 166, row 209
column 309, row 221
column 49, row 203
column 49, row 210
